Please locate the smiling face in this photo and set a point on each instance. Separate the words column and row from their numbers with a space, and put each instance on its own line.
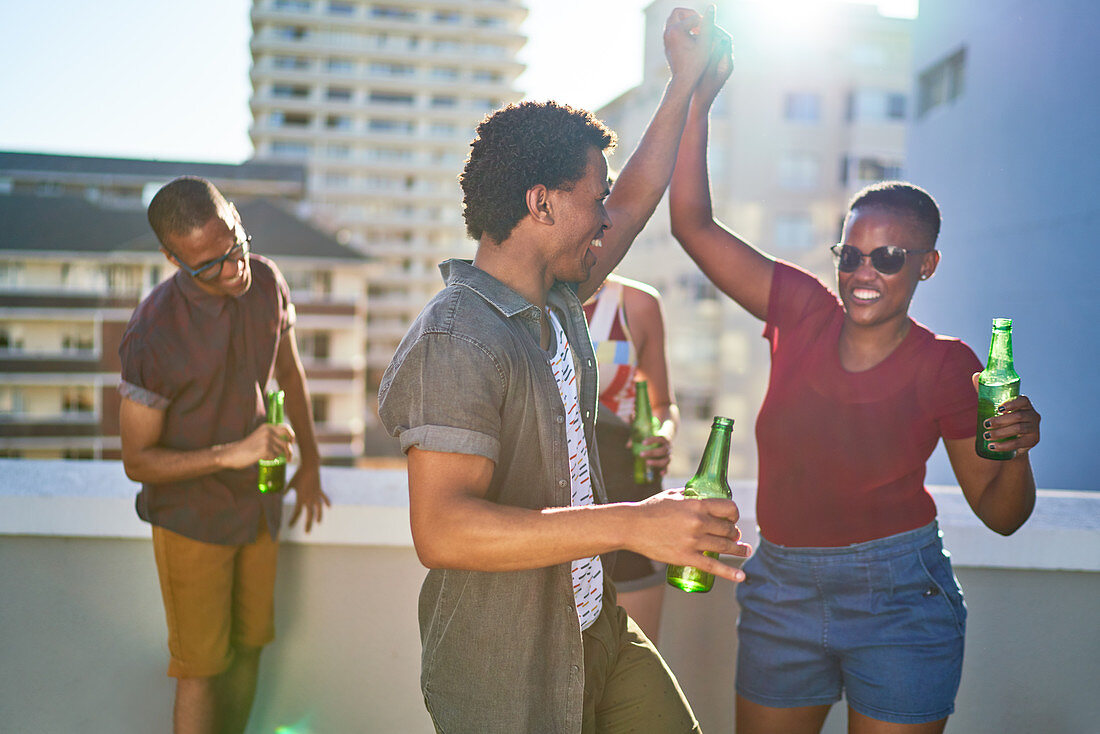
column 208, row 243
column 580, row 220
column 871, row 298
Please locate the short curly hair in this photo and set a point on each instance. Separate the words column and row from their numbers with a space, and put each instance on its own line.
column 520, row 146
column 900, row 197
column 184, row 204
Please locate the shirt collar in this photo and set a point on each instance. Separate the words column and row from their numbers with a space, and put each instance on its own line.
column 495, row 293
column 208, row 302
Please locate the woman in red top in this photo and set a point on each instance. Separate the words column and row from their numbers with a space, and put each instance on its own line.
column 850, row 589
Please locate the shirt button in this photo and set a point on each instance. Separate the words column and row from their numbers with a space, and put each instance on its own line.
column 561, row 419
column 575, row 668
column 561, row 482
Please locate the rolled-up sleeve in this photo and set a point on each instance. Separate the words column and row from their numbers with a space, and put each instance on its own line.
column 142, row 380
column 444, row 393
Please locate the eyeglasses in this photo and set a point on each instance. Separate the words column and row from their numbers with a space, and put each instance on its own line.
column 887, row 260
column 211, row 270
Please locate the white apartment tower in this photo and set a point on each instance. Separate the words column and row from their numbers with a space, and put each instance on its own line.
column 379, row 100
column 815, row 109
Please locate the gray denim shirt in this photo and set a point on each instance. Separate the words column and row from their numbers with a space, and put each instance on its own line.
column 502, row 651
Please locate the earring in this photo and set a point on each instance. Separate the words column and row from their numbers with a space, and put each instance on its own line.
column 925, row 276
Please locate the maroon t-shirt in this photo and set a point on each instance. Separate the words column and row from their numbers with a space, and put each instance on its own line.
column 842, row 454
column 205, row 360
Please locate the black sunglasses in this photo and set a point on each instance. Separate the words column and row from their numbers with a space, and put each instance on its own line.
column 211, row 270
column 887, row 260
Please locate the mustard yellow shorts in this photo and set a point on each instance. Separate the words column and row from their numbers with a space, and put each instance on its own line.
column 216, row 598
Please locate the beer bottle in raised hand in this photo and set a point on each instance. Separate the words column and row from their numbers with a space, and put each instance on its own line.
column 709, row 481
column 272, row 473
column 643, row 426
column 997, row 384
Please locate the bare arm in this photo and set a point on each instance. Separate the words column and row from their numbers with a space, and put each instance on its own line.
column 1001, row 493
column 454, row 526
column 145, row 460
column 644, row 178
column 737, row 268
column 306, row 481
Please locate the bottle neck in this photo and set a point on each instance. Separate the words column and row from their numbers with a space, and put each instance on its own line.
column 716, row 455
column 1000, row 351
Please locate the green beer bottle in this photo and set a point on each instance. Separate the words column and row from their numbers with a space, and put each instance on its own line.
column 272, row 474
column 709, row 481
column 997, row 384
column 644, row 426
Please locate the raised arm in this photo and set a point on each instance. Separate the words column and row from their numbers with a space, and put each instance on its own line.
column 737, row 268
column 688, row 38
column 306, row 481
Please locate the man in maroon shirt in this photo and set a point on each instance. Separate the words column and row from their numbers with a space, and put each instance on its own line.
column 196, row 358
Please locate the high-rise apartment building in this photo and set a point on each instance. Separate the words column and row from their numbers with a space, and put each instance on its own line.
column 815, row 109
column 379, row 100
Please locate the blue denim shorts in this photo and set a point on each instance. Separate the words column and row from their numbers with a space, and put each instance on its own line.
column 881, row 621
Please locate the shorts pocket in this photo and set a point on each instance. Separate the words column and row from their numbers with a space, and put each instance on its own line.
column 942, row 584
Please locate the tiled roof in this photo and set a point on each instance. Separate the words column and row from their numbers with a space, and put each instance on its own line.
column 154, row 169
column 70, row 224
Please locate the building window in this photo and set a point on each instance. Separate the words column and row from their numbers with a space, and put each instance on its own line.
column 319, row 406
column 794, row 231
column 77, row 400
column 802, row 107
column 338, row 94
column 78, row 340
column 291, row 62
column 390, row 126
column 446, row 17
column 391, row 98
column 289, row 91
column 385, row 69
column 10, row 340
column 338, row 122
column 289, row 119
column 289, row 32
column 444, row 101
column 867, row 105
column 485, row 76
column 297, row 6
column 340, row 65
column 490, row 49
column 942, row 82
column 389, row 154
column 289, row 148
column 11, row 274
column 446, row 46
column 799, row 171
column 445, row 129
column 338, row 151
column 338, row 7
column 11, row 401
column 78, row 454
column 446, row 73
column 391, row 13
column 488, row 21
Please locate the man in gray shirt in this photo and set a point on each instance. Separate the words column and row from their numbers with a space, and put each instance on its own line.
column 493, row 396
